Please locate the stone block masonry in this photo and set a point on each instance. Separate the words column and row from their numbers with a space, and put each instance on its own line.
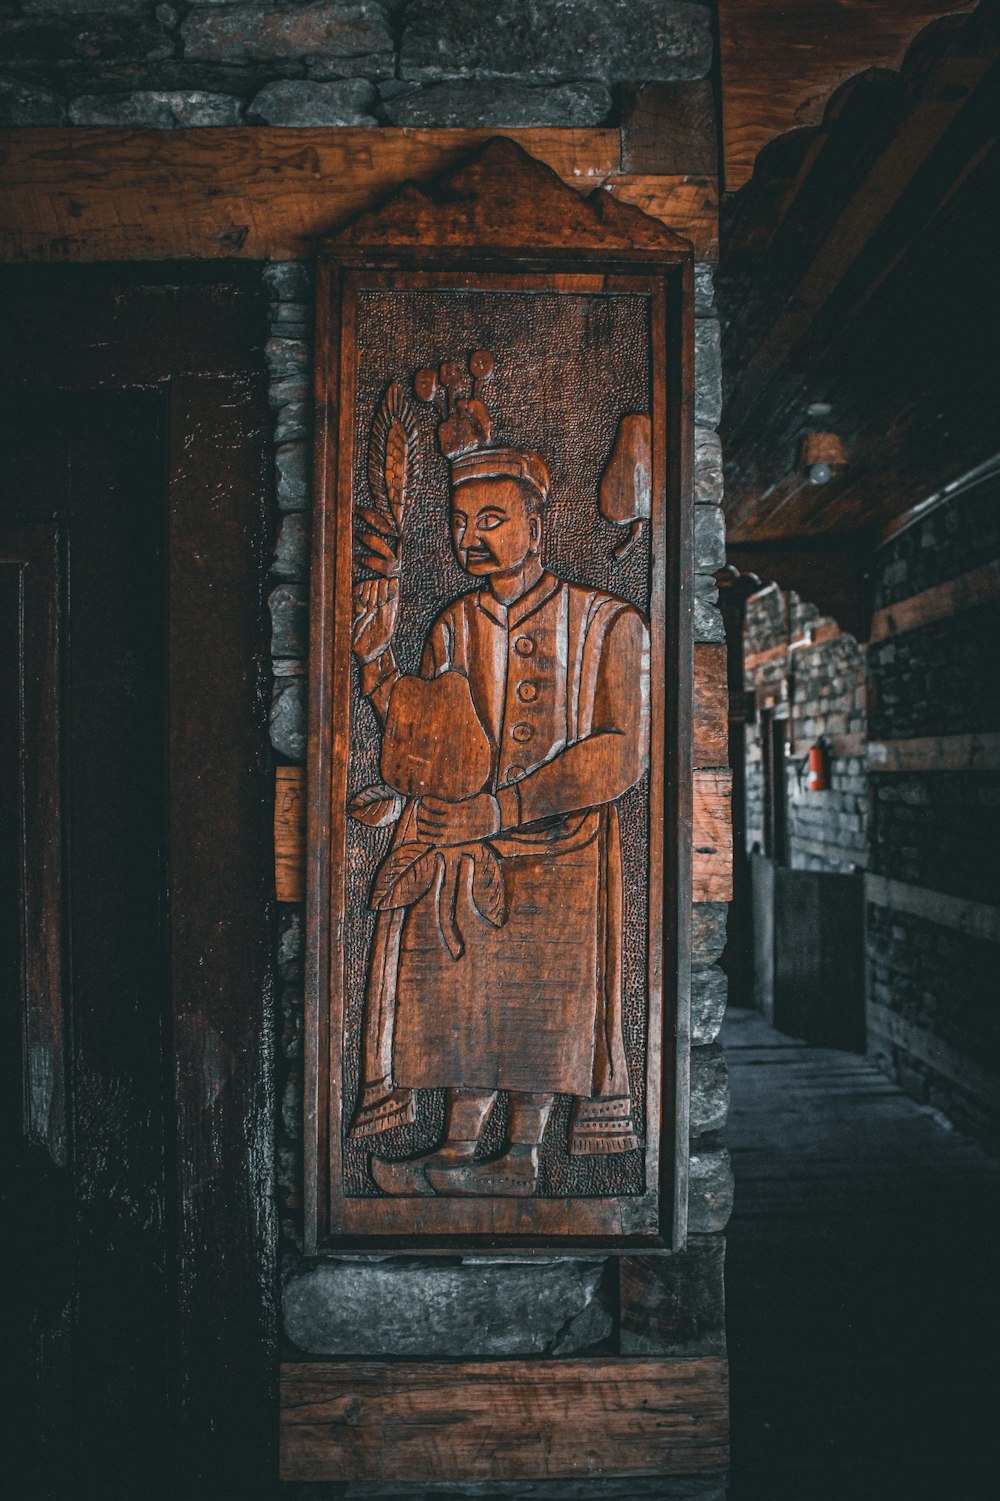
column 423, row 63
column 934, row 1024
column 795, row 652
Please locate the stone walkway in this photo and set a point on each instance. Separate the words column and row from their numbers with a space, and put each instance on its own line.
column 862, row 1284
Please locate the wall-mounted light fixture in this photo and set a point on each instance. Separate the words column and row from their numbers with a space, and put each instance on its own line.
column 823, row 454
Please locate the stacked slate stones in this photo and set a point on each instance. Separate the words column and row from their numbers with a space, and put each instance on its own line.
column 339, row 62
column 824, row 678
column 932, row 923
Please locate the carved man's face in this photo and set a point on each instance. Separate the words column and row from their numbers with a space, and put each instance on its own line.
column 493, row 528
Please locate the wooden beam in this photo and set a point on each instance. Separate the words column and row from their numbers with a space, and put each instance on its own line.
column 289, row 834
column 689, row 205
column 782, row 61
column 977, row 919
column 269, row 194
column 936, row 753
column 712, row 837
column 669, row 128
column 711, row 705
column 516, row 1420
column 764, row 658
column 978, row 587
column 891, row 175
column 935, row 1053
column 841, row 746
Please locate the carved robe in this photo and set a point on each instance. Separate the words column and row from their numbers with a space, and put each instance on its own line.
column 559, row 682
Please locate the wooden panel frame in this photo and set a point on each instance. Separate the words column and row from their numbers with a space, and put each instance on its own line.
column 540, row 240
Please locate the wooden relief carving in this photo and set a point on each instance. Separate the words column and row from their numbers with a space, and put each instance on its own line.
column 489, row 1041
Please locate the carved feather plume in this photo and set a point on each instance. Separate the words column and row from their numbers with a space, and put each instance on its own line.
column 394, row 457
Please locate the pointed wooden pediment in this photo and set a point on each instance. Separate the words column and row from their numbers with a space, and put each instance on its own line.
column 502, row 198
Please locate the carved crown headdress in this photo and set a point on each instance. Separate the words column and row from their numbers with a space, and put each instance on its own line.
column 465, row 428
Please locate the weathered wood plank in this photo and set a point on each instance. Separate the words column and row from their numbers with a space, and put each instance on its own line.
column 290, row 834
column 978, row 919
column 936, row 753
column 781, row 63
column 711, row 705
column 712, row 854
column 512, row 1421
column 763, row 658
column 840, row 746
column 670, row 128
column 689, row 205
column 978, row 587
column 261, row 194
column 268, row 194
column 672, row 1303
column 935, row 1052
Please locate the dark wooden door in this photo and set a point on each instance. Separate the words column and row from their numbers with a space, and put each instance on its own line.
column 134, row 949
column 83, row 582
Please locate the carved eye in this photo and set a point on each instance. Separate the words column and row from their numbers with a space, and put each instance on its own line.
column 489, row 520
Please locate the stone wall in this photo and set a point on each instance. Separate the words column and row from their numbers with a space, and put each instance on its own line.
column 340, row 62
column 924, row 693
column 807, row 662
column 933, row 915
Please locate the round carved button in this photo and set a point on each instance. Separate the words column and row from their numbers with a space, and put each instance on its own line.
column 524, row 646
column 527, row 692
column 522, row 732
column 515, row 773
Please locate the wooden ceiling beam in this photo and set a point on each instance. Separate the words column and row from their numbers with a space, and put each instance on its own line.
column 857, row 272
column 782, row 61
column 893, row 172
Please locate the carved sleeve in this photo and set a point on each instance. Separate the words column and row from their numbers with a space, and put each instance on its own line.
column 609, row 760
column 378, row 678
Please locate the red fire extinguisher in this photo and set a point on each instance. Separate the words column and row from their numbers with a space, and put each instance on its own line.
column 819, row 767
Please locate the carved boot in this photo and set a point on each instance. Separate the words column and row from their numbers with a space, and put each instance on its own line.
column 514, row 1175
column 465, row 1115
column 408, row 1179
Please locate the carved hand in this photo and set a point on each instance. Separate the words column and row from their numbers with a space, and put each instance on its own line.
column 376, row 607
column 475, row 818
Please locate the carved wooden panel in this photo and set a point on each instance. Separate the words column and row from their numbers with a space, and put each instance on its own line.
column 495, row 730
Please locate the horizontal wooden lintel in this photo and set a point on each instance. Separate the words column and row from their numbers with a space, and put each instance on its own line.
column 507, row 1420
column 977, row 919
column 264, row 193
column 936, row 753
column 978, row 587
column 934, row 1053
column 840, row 747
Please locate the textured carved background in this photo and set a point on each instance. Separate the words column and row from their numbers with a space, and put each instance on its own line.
column 568, row 367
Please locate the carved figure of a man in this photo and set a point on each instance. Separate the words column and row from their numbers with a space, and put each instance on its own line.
column 497, row 958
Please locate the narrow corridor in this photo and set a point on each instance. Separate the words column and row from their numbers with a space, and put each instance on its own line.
column 861, row 1284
